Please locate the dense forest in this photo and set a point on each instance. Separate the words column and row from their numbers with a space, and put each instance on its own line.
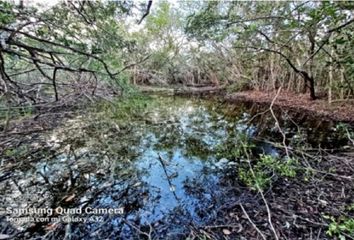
column 194, row 119
column 299, row 46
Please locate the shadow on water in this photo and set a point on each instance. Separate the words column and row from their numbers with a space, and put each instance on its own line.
column 170, row 168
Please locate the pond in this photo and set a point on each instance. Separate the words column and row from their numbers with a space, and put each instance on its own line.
column 169, row 165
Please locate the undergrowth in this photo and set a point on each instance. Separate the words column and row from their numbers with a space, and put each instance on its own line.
column 342, row 227
column 265, row 169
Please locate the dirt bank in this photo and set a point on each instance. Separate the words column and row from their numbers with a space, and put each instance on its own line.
column 338, row 111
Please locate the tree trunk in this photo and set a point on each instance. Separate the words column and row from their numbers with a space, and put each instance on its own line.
column 310, row 83
column 134, row 75
column 55, row 84
column 342, row 83
column 330, row 83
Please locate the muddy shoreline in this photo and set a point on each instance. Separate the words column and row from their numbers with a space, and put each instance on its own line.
column 337, row 111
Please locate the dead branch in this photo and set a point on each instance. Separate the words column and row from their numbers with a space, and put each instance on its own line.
column 147, row 11
column 277, row 123
column 252, row 223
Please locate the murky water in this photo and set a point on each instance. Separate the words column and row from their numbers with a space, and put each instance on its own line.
column 169, row 167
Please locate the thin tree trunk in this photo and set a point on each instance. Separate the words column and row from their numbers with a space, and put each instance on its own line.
column 330, row 77
column 134, row 76
column 342, row 83
column 55, row 84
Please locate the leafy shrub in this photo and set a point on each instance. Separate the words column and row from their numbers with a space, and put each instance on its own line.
column 266, row 167
column 341, row 228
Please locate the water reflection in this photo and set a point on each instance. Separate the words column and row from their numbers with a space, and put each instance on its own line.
column 171, row 163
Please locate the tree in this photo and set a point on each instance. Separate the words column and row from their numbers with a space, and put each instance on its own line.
column 296, row 31
column 85, row 37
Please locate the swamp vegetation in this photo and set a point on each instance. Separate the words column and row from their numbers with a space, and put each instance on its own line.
column 176, row 120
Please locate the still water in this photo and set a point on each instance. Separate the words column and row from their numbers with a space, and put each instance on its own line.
column 170, row 165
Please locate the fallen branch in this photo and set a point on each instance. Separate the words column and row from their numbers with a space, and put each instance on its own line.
column 277, row 123
column 252, row 223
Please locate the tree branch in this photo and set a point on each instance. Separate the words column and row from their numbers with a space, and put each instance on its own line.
column 147, row 11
